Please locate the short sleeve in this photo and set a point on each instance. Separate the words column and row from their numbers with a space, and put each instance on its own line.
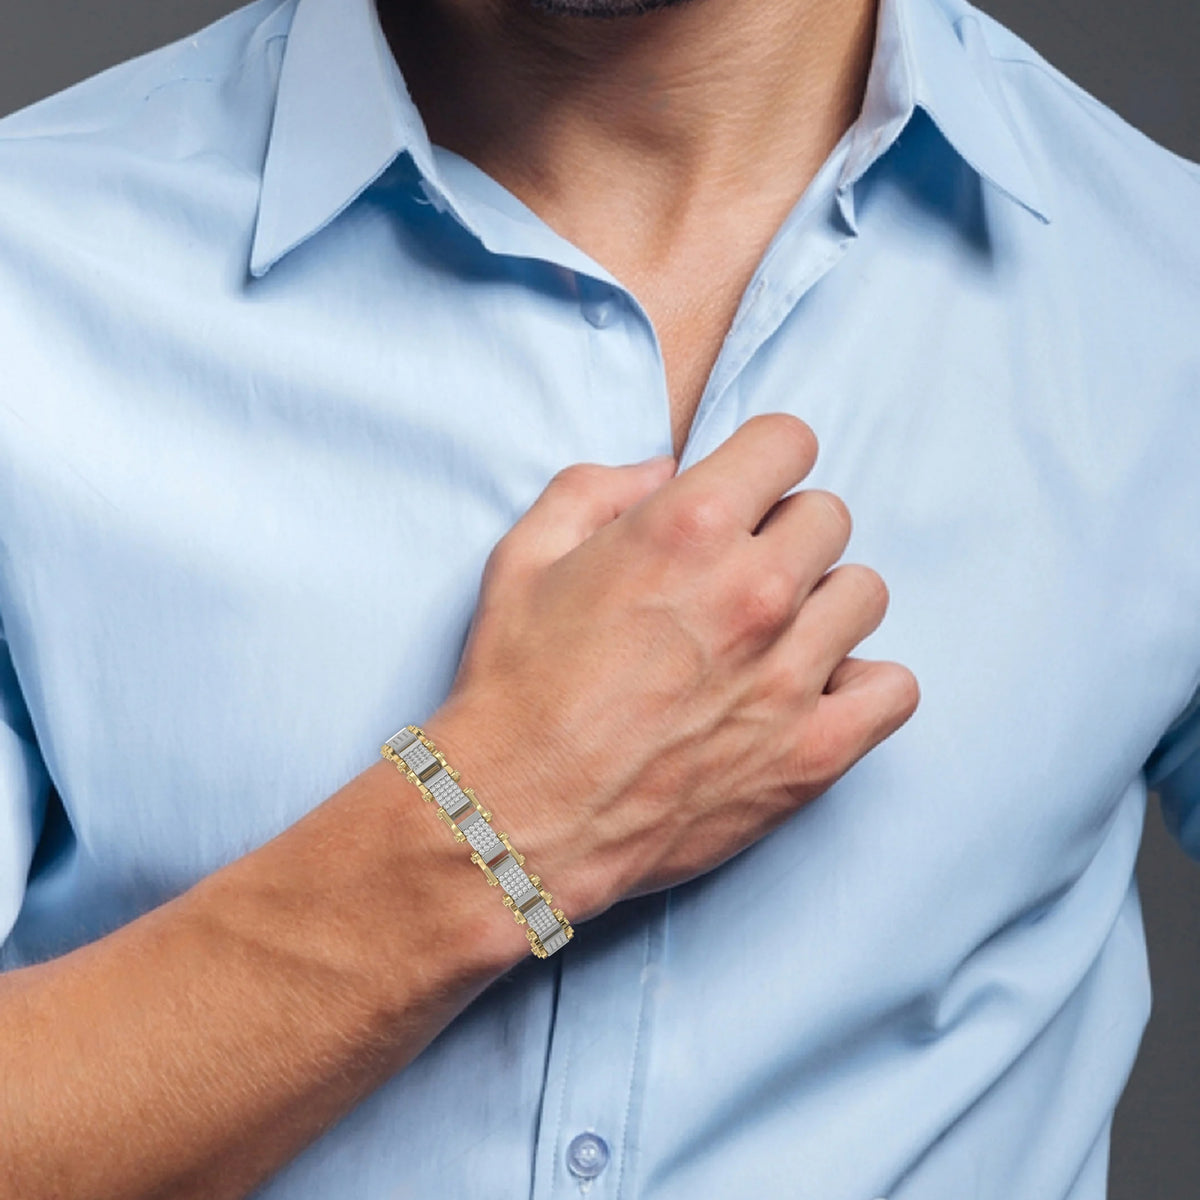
column 1173, row 771
column 24, row 785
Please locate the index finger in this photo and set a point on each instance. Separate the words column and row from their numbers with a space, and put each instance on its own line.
column 765, row 456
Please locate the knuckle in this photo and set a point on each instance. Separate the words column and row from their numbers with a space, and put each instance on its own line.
column 767, row 600
column 695, row 520
column 578, row 478
column 819, row 755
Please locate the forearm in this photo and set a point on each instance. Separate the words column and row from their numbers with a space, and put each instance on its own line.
column 196, row 1050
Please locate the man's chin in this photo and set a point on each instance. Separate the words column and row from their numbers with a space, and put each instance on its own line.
column 603, row 8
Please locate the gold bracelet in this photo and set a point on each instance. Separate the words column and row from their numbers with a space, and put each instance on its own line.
column 422, row 763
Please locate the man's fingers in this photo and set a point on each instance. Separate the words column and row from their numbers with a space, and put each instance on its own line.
column 847, row 604
column 864, row 702
column 748, row 472
column 803, row 536
column 849, row 669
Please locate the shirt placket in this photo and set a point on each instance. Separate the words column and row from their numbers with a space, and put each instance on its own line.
column 587, row 1136
column 606, row 1007
column 809, row 245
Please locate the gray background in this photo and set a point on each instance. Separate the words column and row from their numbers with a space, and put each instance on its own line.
column 1139, row 57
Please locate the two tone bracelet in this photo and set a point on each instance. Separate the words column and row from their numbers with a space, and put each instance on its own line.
column 423, row 764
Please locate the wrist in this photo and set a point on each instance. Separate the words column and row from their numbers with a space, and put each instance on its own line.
column 463, row 925
column 509, row 779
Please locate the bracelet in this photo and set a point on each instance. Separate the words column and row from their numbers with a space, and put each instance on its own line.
column 422, row 763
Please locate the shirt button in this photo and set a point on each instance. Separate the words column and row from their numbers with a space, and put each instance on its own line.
column 600, row 313
column 587, row 1155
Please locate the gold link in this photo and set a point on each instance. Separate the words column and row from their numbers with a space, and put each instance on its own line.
column 419, row 781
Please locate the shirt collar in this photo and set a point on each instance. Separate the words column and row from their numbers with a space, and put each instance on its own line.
column 343, row 113
column 934, row 57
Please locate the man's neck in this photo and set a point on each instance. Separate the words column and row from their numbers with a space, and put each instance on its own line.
column 628, row 135
column 668, row 146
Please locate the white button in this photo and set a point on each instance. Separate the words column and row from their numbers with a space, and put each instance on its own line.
column 600, row 313
column 587, row 1155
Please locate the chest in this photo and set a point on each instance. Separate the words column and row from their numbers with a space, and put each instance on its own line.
column 692, row 301
column 690, row 336
column 691, row 322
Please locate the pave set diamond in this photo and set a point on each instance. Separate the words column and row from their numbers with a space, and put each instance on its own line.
column 423, row 764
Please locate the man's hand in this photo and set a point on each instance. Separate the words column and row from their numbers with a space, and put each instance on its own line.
column 657, row 671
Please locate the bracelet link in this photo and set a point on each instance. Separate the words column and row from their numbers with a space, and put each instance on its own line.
column 423, row 764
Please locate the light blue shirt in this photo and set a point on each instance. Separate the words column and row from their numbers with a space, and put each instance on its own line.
column 254, row 327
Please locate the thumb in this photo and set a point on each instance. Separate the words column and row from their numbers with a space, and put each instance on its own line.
column 582, row 498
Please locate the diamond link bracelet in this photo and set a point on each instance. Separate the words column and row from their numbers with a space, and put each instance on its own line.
column 423, row 764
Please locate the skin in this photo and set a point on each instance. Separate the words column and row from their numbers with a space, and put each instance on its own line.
column 698, row 618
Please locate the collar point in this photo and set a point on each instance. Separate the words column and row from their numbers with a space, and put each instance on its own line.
column 266, row 249
column 1026, row 199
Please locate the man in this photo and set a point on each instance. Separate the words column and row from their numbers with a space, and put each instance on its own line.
column 308, row 324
